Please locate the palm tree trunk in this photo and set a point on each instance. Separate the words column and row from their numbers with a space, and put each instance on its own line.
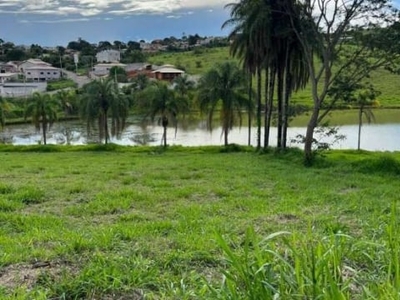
column 249, row 110
column 226, row 132
column 259, row 78
column 266, row 134
column 360, row 113
column 105, row 127
column 44, row 128
column 280, row 107
column 165, row 136
column 288, row 88
column 269, row 105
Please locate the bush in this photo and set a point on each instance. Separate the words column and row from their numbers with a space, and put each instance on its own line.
column 60, row 84
column 384, row 164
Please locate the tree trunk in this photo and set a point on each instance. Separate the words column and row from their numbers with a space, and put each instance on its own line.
column 308, row 154
column 226, row 131
column 269, row 108
column 105, row 127
column 280, row 107
column 164, row 123
column 250, row 101
column 165, row 136
column 360, row 113
column 259, row 108
column 44, row 129
column 266, row 110
column 288, row 88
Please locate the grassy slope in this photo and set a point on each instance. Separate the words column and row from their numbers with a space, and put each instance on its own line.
column 384, row 81
column 104, row 223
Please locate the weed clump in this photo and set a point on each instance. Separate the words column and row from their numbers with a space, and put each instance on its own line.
column 6, row 189
column 29, row 195
column 383, row 164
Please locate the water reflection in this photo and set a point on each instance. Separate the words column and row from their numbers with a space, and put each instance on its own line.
column 382, row 137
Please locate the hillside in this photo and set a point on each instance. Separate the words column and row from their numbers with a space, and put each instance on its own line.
column 199, row 61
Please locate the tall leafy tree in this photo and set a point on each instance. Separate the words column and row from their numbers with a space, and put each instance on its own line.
column 224, row 87
column 183, row 85
column 159, row 101
column 102, row 101
column 345, row 37
column 42, row 108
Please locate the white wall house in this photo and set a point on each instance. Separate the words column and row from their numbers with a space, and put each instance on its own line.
column 38, row 70
column 42, row 73
column 108, row 56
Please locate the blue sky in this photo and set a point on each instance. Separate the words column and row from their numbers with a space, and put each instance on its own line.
column 56, row 22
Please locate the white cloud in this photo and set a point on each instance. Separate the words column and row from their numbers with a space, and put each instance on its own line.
column 95, row 7
column 174, row 17
column 56, row 21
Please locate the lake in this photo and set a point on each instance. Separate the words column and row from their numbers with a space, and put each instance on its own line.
column 381, row 136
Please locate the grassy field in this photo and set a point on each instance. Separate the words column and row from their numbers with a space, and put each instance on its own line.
column 140, row 223
column 202, row 60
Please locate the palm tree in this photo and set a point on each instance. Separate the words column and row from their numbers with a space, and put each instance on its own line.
column 249, row 37
column 102, row 100
column 42, row 108
column 67, row 100
column 224, row 87
column 365, row 100
column 264, row 40
column 141, row 82
column 159, row 101
column 183, row 85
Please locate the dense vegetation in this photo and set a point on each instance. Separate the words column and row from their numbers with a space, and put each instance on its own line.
column 81, row 223
column 384, row 81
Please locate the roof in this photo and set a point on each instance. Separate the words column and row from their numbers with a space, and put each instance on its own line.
column 8, row 74
column 108, row 51
column 42, row 67
column 110, row 65
column 168, row 70
column 37, row 62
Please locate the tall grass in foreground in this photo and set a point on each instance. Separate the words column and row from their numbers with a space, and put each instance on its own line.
column 292, row 266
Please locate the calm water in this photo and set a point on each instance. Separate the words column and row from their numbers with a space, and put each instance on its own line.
column 382, row 137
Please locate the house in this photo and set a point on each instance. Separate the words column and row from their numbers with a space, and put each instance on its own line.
column 104, row 69
column 167, row 73
column 10, row 67
column 7, row 76
column 30, row 63
column 38, row 70
column 108, row 56
column 42, row 73
column 136, row 69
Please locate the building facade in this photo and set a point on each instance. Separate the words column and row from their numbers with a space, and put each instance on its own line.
column 42, row 73
column 108, row 56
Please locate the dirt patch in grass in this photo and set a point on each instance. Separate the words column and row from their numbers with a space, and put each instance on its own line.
column 29, row 275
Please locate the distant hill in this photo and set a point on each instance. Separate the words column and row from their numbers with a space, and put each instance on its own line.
column 200, row 60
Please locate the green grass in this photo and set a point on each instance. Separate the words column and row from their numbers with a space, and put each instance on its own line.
column 113, row 222
column 60, row 84
column 384, row 81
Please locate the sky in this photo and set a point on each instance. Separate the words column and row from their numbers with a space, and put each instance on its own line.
column 56, row 22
